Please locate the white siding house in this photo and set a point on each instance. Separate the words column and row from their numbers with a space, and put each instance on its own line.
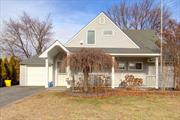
column 134, row 50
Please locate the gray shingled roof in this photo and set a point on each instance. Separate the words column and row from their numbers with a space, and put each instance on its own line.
column 34, row 60
column 145, row 39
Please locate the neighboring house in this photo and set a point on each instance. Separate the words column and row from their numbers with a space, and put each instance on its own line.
column 134, row 50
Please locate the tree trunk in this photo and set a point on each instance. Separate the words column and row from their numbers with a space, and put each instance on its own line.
column 178, row 76
column 86, row 75
column 73, row 83
column 174, row 77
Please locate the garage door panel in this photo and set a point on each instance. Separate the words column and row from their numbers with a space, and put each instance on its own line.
column 36, row 76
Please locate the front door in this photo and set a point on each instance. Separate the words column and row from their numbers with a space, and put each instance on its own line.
column 61, row 74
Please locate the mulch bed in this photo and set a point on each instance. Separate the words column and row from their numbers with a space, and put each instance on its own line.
column 123, row 92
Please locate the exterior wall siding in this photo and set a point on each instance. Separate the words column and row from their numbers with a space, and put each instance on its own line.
column 23, row 75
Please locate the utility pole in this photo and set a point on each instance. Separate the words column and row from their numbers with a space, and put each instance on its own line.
column 161, row 49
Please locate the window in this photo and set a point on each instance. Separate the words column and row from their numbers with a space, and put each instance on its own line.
column 135, row 66
column 91, row 37
column 108, row 32
column 122, row 65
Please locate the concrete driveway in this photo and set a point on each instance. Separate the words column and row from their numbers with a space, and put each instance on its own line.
column 11, row 94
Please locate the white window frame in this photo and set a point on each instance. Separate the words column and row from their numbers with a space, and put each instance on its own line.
column 107, row 34
column 135, row 64
column 125, row 63
column 94, row 37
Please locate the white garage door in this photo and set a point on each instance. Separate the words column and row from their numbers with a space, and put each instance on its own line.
column 35, row 76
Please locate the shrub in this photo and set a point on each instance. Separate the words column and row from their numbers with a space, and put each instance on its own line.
column 131, row 81
column 9, row 69
column 1, row 80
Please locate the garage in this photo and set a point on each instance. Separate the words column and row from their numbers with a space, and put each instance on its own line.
column 42, row 70
column 32, row 75
column 35, row 76
column 32, row 72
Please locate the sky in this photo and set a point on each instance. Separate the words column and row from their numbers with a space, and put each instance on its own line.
column 68, row 16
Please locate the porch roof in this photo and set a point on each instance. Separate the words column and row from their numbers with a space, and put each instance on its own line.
column 121, row 50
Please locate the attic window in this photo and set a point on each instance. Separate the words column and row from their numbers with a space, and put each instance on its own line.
column 102, row 20
column 91, row 37
column 108, row 32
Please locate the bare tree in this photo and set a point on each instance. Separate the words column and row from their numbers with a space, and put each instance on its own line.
column 88, row 60
column 26, row 36
column 171, row 45
column 120, row 14
column 140, row 15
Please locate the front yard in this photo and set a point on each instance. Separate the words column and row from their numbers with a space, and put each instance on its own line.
column 53, row 105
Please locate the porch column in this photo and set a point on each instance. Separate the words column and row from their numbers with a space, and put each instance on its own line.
column 157, row 72
column 68, row 71
column 112, row 73
column 47, row 73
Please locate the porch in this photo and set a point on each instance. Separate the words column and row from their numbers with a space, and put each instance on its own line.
column 140, row 66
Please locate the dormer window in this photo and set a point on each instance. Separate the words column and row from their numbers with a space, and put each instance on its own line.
column 91, row 37
column 108, row 32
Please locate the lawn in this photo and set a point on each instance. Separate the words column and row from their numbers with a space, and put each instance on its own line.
column 53, row 105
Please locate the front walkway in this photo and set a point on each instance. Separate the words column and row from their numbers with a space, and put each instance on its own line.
column 11, row 94
column 58, row 88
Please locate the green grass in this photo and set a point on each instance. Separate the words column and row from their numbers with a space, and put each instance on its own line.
column 55, row 105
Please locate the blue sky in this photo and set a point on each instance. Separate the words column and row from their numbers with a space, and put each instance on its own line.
column 68, row 16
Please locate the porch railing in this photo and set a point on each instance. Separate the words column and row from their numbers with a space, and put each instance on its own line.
column 150, row 81
column 95, row 79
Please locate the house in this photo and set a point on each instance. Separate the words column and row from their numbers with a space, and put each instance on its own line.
column 134, row 50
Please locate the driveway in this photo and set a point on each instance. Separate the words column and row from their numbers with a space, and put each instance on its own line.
column 11, row 94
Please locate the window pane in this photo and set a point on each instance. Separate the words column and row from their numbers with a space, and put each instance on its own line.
column 132, row 66
column 135, row 66
column 91, row 37
column 122, row 66
column 139, row 66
